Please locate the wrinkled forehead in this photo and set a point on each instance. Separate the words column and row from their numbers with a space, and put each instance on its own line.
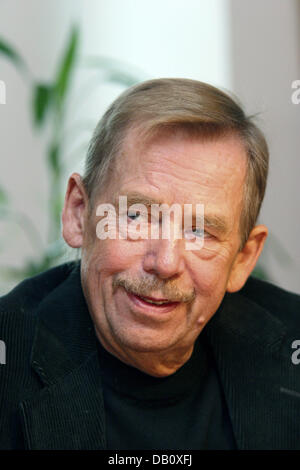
column 182, row 159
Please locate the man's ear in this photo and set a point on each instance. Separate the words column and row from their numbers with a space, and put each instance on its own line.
column 246, row 259
column 74, row 212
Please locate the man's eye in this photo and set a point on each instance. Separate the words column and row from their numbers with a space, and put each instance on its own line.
column 198, row 233
column 133, row 215
column 140, row 216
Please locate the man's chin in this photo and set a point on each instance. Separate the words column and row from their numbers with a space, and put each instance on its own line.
column 146, row 344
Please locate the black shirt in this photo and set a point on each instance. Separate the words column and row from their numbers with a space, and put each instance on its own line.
column 185, row 410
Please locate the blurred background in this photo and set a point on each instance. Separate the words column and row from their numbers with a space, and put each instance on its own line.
column 62, row 62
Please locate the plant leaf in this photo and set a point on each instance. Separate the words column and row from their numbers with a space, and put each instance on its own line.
column 42, row 101
column 115, row 71
column 66, row 67
column 3, row 203
column 53, row 158
column 121, row 78
column 7, row 50
column 3, row 197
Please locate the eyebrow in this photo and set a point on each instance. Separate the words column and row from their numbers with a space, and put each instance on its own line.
column 213, row 221
column 138, row 198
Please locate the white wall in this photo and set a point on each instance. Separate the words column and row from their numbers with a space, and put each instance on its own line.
column 265, row 44
column 164, row 38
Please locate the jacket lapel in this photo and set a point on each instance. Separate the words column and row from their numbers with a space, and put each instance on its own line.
column 68, row 413
column 260, row 383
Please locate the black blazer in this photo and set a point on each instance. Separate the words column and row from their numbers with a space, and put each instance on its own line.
column 50, row 386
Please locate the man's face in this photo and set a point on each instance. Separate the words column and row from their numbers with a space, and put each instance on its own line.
column 169, row 169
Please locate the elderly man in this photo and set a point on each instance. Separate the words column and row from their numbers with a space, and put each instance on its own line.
column 157, row 342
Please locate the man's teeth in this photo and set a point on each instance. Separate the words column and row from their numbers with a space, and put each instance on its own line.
column 155, row 302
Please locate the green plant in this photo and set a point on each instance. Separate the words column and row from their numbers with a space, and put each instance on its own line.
column 49, row 110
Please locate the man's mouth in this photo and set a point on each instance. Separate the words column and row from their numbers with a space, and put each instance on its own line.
column 158, row 304
column 154, row 301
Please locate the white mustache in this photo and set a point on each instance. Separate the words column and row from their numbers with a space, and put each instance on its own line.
column 144, row 287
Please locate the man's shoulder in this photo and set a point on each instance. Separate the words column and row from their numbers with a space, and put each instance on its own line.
column 24, row 299
column 18, row 319
column 283, row 304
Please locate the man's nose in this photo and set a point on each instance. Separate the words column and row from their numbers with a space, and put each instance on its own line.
column 164, row 258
